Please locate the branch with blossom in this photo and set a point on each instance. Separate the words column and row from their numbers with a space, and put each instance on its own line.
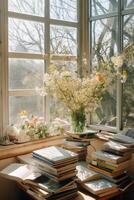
column 73, row 91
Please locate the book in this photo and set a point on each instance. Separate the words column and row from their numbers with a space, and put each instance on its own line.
column 79, row 145
column 113, row 167
column 109, row 194
column 118, row 179
column 104, row 171
column 20, row 172
column 90, row 133
column 55, row 155
column 56, row 174
column 44, row 167
column 111, row 145
column 128, row 141
column 118, row 153
column 40, row 194
column 85, row 174
column 99, row 186
column 48, row 185
column 110, row 157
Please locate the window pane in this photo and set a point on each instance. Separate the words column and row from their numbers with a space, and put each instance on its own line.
column 104, row 46
column 32, row 7
column 104, row 39
column 103, row 7
column 128, row 89
column 58, row 110
column 32, row 104
column 128, row 3
column 128, row 29
column 63, row 10
column 25, row 74
column 26, row 36
column 105, row 114
column 63, row 40
column 128, row 97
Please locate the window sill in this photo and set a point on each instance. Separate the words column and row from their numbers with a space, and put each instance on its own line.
column 19, row 149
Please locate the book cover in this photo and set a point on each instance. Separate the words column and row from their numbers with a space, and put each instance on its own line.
column 103, row 164
column 47, row 184
column 105, row 171
column 99, row 186
column 110, row 157
column 85, row 174
column 117, row 179
column 20, row 172
column 118, row 153
column 117, row 167
column 124, row 139
column 54, row 154
column 111, row 145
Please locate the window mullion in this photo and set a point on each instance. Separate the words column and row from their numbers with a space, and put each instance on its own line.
column 47, row 51
column 25, row 17
column 119, row 84
column 4, row 62
column 27, row 55
column 28, row 92
column 63, row 23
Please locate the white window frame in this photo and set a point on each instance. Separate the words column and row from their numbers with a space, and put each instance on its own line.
column 119, row 14
column 4, row 14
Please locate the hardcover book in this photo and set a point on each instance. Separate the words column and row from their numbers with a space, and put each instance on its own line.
column 115, row 146
column 19, row 172
column 113, row 167
column 110, row 157
column 99, row 186
column 44, row 167
column 55, row 155
column 102, row 170
column 85, row 174
column 124, row 139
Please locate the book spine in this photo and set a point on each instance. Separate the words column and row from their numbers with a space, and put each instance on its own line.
column 42, row 158
column 96, row 156
column 104, row 165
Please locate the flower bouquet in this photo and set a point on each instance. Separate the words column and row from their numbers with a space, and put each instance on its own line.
column 33, row 126
column 80, row 95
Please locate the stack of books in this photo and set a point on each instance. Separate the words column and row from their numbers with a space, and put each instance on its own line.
column 78, row 147
column 101, row 188
column 78, row 143
column 112, row 162
column 94, row 183
column 37, row 185
column 58, row 164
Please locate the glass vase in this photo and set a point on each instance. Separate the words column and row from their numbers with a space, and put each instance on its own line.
column 78, row 120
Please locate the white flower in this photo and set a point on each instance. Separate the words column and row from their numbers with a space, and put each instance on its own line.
column 73, row 91
column 118, row 60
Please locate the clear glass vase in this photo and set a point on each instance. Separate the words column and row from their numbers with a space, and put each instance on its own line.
column 78, row 120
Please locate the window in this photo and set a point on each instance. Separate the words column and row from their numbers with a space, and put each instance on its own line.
column 110, row 30
column 26, row 65
column 37, row 33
